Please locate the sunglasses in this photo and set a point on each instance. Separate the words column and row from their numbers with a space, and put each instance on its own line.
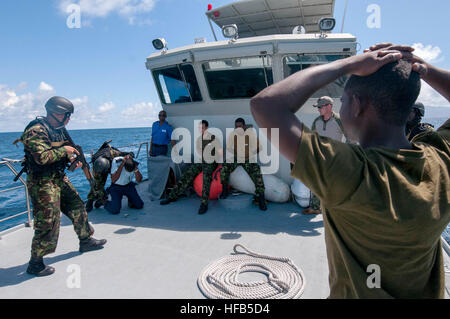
column 162, row 115
column 321, row 106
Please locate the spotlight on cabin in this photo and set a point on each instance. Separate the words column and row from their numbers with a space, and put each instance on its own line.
column 230, row 31
column 160, row 44
column 299, row 30
column 327, row 24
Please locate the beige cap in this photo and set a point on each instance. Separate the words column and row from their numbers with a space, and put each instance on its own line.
column 324, row 100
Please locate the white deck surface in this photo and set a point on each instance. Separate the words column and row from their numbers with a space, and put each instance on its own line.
column 159, row 252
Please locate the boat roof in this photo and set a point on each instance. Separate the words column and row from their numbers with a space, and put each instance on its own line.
column 263, row 17
column 309, row 42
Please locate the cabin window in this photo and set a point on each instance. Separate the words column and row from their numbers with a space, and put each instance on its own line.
column 177, row 84
column 238, row 78
column 295, row 63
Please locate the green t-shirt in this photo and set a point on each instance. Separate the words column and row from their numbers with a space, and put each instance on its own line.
column 382, row 207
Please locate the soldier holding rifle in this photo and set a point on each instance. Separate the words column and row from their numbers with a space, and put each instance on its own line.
column 48, row 149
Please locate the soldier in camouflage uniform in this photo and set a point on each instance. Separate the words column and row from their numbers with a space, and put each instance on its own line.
column 241, row 156
column 50, row 190
column 207, row 166
column 413, row 125
column 101, row 162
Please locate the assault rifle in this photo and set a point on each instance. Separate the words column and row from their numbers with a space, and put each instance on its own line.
column 80, row 158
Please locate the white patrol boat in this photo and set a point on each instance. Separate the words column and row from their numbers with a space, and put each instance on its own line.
column 160, row 251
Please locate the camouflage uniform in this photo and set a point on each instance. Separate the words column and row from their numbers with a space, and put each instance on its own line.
column 208, row 169
column 188, row 178
column 249, row 148
column 253, row 170
column 50, row 190
column 419, row 129
column 97, row 191
column 314, row 202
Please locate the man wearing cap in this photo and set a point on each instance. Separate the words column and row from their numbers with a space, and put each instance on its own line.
column 50, row 190
column 414, row 126
column 161, row 136
column 328, row 124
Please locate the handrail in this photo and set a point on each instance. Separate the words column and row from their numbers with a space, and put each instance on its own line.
column 7, row 162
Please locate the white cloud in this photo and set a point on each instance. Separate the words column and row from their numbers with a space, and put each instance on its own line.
column 45, row 87
column 431, row 54
column 143, row 113
column 129, row 9
column 107, row 107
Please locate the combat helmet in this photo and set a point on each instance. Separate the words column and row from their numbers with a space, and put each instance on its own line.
column 59, row 105
column 420, row 108
column 101, row 165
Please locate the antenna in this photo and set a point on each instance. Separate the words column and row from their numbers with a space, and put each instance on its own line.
column 343, row 19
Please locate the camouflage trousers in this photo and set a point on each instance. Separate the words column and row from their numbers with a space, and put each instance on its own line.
column 188, row 178
column 50, row 196
column 253, row 170
column 314, row 202
column 98, row 190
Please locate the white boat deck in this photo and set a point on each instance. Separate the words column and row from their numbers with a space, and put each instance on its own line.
column 159, row 252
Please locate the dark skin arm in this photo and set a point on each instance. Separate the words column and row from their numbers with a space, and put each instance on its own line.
column 275, row 106
column 138, row 175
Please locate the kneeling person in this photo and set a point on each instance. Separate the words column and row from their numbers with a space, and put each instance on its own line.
column 123, row 170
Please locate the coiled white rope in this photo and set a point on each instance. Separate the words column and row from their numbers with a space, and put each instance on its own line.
column 219, row 280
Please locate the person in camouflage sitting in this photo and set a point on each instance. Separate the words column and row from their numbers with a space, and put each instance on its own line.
column 244, row 154
column 101, row 162
column 207, row 165
column 50, row 190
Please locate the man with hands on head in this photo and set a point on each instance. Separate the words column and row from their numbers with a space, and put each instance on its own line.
column 386, row 200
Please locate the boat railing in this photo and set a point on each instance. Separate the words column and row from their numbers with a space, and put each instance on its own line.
column 9, row 163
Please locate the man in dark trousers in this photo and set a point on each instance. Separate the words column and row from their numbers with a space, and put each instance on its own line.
column 123, row 171
column 386, row 201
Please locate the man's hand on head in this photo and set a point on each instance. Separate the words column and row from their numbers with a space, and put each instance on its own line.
column 371, row 61
column 418, row 64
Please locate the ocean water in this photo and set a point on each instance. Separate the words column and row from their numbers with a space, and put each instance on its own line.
column 13, row 202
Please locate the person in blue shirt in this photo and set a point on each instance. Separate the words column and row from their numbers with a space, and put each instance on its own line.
column 161, row 136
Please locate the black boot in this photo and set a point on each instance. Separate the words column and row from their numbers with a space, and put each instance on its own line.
column 167, row 201
column 203, row 208
column 36, row 267
column 91, row 244
column 89, row 205
column 225, row 192
column 261, row 202
column 99, row 203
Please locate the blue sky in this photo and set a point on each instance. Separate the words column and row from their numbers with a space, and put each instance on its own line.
column 101, row 65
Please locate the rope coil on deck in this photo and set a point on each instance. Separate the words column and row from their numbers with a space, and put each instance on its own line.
column 219, row 280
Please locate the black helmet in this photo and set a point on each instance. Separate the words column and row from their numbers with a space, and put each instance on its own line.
column 420, row 108
column 59, row 105
column 101, row 165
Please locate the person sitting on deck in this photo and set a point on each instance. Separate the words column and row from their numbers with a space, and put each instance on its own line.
column 207, row 166
column 244, row 153
column 123, row 170
column 386, row 201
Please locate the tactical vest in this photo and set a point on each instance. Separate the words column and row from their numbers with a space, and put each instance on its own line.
column 56, row 138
